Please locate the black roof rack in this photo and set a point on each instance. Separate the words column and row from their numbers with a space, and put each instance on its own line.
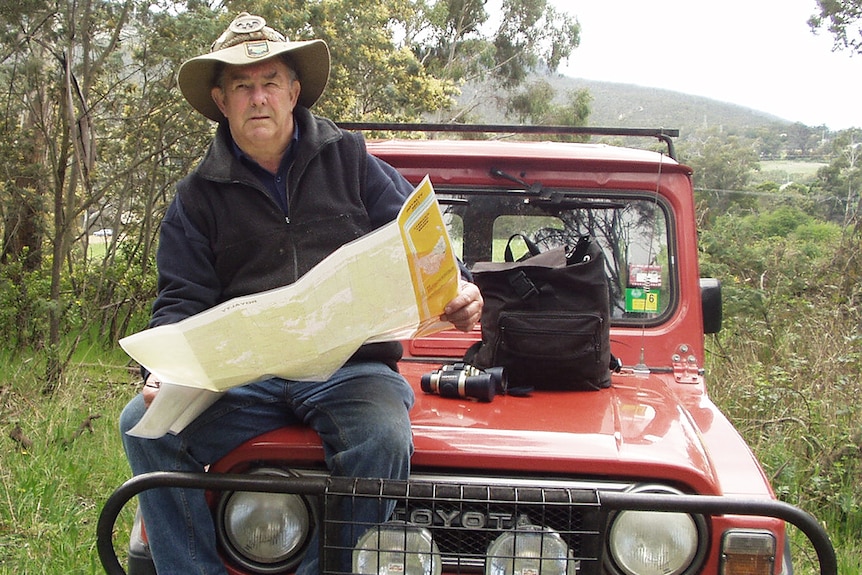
column 663, row 134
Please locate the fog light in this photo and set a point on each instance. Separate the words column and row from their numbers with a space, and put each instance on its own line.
column 530, row 550
column 747, row 552
column 396, row 548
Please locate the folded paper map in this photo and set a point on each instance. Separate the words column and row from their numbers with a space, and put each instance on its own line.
column 390, row 284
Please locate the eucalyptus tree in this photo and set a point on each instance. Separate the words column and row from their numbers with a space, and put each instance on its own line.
column 840, row 182
column 153, row 138
column 843, row 19
column 458, row 40
column 537, row 103
column 101, row 136
column 54, row 57
column 723, row 167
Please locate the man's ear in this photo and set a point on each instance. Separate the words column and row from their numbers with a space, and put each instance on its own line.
column 295, row 89
column 217, row 95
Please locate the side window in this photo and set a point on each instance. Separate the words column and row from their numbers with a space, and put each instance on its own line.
column 639, row 245
column 455, row 225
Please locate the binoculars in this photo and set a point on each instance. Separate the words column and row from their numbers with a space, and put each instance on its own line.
column 464, row 380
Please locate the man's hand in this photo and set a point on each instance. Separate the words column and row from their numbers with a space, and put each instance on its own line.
column 465, row 309
column 151, row 389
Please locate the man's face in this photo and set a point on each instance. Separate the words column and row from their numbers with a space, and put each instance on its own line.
column 258, row 102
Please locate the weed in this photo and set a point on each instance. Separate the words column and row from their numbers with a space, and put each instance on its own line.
column 52, row 490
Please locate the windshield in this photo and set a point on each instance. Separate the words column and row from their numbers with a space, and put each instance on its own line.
column 632, row 231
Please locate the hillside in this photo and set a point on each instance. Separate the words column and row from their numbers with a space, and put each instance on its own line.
column 628, row 105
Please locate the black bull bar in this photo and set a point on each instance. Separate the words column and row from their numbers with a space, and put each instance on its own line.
column 312, row 486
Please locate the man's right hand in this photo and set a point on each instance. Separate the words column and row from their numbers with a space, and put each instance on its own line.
column 151, row 389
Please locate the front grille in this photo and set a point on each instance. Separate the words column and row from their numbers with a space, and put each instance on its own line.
column 464, row 519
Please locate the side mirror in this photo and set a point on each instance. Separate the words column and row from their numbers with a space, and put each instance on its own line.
column 710, row 301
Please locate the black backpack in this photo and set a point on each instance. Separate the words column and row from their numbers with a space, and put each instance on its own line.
column 546, row 318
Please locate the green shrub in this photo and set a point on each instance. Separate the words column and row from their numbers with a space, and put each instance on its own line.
column 785, row 366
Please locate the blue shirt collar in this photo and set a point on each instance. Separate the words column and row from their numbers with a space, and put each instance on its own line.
column 275, row 184
column 286, row 159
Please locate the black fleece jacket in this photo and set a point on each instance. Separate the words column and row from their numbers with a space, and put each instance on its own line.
column 224, row 235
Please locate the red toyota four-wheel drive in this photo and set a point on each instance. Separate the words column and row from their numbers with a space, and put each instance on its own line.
column 645, row 477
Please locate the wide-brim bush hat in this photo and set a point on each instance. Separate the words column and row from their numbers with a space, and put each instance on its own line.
column 248, row 40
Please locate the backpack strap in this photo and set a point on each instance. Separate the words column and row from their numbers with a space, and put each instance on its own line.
column 532, row 248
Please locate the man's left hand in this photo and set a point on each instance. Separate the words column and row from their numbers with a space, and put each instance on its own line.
column 465, row 309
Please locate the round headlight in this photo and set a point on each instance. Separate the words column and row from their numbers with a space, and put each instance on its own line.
column 527, row 550
column 396, row 548
column 656, row 543
column 264, row 532
column 651, row 543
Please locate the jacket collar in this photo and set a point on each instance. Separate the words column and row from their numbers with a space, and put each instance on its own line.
column 221, row 164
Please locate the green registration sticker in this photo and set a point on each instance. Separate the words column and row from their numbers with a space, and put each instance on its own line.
column 642, row 300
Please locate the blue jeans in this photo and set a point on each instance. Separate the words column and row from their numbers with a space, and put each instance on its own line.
column 360, row 413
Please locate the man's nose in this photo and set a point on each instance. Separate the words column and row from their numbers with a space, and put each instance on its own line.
column 258, row 96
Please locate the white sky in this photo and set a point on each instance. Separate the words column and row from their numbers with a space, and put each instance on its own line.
column 760, row 54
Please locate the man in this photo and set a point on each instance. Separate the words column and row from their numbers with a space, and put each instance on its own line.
column 278, row 190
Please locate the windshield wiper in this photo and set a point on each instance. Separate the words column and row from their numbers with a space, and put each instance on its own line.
column 541, row 196
column 534, row 189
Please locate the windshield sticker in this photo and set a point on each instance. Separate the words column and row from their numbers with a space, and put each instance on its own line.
column 642, row 300
column 644, row 275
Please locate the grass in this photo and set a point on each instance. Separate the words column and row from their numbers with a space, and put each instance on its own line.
column 783, row 171
column 53, row 487
column 794, row 398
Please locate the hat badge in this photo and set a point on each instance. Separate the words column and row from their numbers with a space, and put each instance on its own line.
column 247, row 24
column 256, row 49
